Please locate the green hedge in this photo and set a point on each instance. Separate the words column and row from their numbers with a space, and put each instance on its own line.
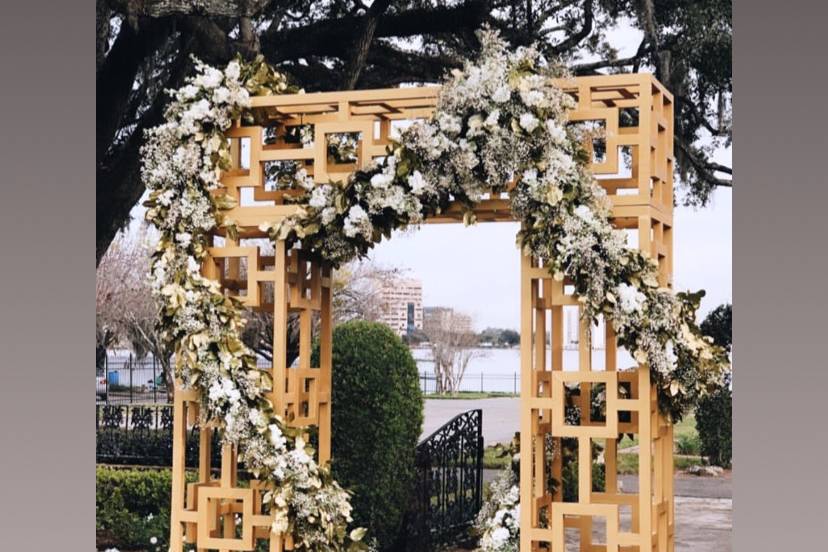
column 714, row 422
column 569, row 474
column 377, row 416
column 132, row 507
column 714, row 414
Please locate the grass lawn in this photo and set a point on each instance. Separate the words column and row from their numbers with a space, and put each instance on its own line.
column 627, row 463
column 491, row 460
column 684, row 429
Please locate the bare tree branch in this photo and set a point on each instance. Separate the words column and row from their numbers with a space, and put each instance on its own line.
column 363, row 44
column 102, row 29
column 117, row 181
column 591, row 67
column 582, row 33
column 453, row 346
column 117, row 75
column 705, row 169
column 331, row 37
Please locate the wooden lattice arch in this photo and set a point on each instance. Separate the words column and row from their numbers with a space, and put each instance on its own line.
column 635, row 167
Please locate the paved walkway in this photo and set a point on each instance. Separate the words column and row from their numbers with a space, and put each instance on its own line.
column 704, row 505
column 702, row 525
column 501, row 417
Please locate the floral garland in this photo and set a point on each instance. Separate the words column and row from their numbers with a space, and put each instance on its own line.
column 182, row 164
column 499, row 119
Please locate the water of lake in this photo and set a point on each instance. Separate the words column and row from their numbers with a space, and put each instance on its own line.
column 499, row 369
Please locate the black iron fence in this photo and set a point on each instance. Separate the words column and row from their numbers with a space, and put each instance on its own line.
column 141, row 435
column 476, row 383
column 127, row 380
column 449, row 486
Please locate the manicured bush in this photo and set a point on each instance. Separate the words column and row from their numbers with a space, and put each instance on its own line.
column 132, row 508
column 569, row 472
column 688, row 444
column 377, row 416
column 714, row 414
column 715, row 426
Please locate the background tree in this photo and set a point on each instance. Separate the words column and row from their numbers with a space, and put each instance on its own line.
column 500, row 337
column 452, row 345
column 144, row 47
column 718, row 324
column 126, row 310
column 355, row 296
column 357, row 291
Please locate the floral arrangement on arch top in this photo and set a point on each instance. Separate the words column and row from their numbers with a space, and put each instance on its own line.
column 498, row 120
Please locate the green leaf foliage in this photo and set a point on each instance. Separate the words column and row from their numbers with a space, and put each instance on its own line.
column 714, row 413
column 714, row 422
column 377, row 416
column 132, row 506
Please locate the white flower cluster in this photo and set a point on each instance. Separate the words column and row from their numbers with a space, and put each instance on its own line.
column 182, row 162
column 500, row 119
column 498, row 522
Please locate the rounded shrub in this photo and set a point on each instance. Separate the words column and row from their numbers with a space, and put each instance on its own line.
column 714, row 422
column 714, row 413
column 377, row 417
column 132, row 508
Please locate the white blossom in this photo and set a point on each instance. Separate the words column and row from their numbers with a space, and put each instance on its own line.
column 233, row 70
column 556, row 131
column 183, row 238
column 417, row 182
column 630, row 297
column 320, row 196
column 502, row 94
column 221, row 95
column 209, row 78
column 529, row 122
column 356, row 221
column 584, row 213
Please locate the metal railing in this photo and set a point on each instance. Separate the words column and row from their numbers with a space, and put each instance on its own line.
column 449, row 483
column 141, row 435
column 476, row 383
column 128, row 380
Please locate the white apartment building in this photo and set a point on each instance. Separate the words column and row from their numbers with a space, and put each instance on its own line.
column 401, row 302
column 444, row 318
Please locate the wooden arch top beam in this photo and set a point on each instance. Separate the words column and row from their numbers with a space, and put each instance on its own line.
column 635, row 112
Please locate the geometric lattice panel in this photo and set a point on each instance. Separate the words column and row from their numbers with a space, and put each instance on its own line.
column 573, row 417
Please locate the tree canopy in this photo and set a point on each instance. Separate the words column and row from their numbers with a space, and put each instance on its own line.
column 144, row 47
column 718, row 324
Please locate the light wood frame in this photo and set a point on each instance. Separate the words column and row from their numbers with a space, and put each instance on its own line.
column 284, row 281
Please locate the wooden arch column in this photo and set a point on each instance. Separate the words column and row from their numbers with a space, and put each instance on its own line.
column 608, row 400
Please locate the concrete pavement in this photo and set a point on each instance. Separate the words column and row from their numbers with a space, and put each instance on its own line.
column 501, row 416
